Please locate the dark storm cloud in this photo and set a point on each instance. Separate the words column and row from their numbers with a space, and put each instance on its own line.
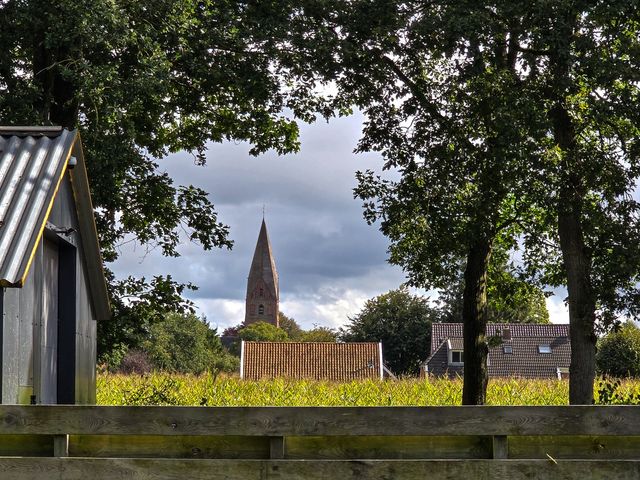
column 316, row 227
column 329, row 260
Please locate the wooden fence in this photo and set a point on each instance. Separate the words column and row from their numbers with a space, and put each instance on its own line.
column 91, row 443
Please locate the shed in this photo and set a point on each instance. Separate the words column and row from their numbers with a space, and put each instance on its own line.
column 52, row 282
column 340, row 362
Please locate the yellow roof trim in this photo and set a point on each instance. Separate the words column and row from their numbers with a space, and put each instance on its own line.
column 48, row 212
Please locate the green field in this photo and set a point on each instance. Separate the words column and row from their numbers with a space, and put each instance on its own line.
column 220, row 390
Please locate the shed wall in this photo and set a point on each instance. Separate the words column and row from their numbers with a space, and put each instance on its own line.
column 21, row 330
column 22, row 314
column 64, row 216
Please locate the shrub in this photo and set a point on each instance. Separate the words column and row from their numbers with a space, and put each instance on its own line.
column 135, row 362
column 185, row 344
column 619, row 352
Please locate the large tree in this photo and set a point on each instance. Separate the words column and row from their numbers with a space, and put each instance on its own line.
column 402, row 322
column 140, row 79
column 440, row 86
column 586, row 56
column 498, row 115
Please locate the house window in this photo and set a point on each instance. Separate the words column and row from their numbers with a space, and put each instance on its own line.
column 260, row 309
column 457, row 357
column 563, row 372
column 507, row 348
column 262, row 292
column 544, row 348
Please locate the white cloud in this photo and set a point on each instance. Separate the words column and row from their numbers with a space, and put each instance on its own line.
column 558, row 311
column 221, row 313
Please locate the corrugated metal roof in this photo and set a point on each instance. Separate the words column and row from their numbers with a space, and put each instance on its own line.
column 31, row 168
column 33, row 162
column 313, row 360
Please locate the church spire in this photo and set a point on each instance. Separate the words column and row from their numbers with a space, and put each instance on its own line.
column 263, row 294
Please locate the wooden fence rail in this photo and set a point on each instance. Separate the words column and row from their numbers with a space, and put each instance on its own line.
column 81, row 442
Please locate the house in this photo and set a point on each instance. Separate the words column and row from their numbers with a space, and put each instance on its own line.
column 340, row 362
column 52, row 283
column 516, row 350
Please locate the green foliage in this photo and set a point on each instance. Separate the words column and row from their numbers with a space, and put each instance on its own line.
column 186, row 344
column 402, row 322
column 141, row 79
column 506, row 121
column 138, row 305
column 225, row 391
column 510, row 299
column 619, row 352
column 262, row 332
column 319, row 334
column 611, row 392
column 289, row 325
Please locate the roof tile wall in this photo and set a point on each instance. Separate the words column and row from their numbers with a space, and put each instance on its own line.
column 316, row 361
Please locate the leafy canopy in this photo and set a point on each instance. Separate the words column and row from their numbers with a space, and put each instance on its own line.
column 141, row 79
column 402, row 322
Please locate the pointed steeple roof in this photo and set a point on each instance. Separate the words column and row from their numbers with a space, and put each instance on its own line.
column 263, row 266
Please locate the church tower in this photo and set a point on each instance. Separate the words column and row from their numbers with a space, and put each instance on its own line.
column 263, row 293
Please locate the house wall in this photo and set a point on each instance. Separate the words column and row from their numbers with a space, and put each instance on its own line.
column 22, row 313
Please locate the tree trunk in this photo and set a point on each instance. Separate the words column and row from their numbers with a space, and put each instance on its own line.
column 474, row 316
column 577, row 265
column 57, row 102
column 576, row 257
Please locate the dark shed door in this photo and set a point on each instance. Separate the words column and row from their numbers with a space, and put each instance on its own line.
column 49, row 326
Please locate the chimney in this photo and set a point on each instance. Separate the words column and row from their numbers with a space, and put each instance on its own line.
column 506, row 333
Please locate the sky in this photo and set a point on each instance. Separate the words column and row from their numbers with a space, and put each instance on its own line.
column 328, row 259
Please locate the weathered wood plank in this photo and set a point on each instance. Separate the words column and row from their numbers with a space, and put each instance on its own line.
column 26, row 445
column 300, row 421
column 500, row 447
column 152, row 469
column 577, row 447
column 388, row 447
column 137, row 446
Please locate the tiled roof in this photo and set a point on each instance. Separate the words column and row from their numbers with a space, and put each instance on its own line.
column 317, row 361
column 525, row 359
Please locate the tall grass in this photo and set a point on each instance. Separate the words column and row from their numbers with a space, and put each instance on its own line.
column 222, row 390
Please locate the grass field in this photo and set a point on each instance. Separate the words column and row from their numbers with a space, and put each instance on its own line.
column 221, row 390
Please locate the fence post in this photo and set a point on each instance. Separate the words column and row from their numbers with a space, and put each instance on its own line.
column 276, row 447
column 500, row 447
column 61, row 445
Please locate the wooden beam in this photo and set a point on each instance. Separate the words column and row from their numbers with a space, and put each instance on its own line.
column 20, row 468
column 314, row 421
